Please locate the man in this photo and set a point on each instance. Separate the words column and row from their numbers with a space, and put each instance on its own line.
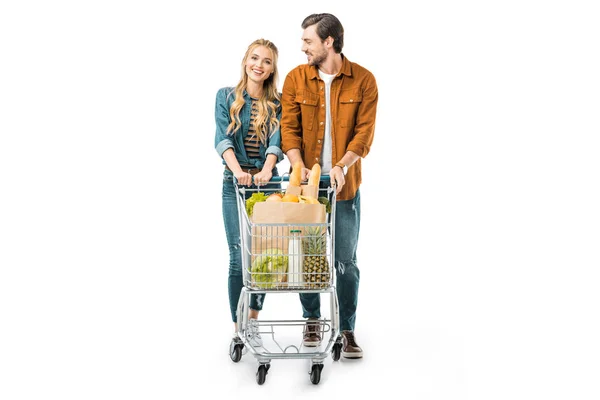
column 328, row 117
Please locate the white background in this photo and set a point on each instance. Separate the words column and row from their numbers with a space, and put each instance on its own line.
column 479, row 243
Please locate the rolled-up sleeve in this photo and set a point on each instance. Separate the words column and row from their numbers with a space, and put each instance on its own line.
column 364, row 129
column 222, row 140
column 275, row 149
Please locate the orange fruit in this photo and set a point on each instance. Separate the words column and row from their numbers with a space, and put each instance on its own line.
column 290, row 198
column 275, row 197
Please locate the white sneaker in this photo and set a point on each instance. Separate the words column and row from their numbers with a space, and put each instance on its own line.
column 253, row 334
column 236, row 340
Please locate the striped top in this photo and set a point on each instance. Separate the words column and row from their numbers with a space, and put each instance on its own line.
column 251, row 142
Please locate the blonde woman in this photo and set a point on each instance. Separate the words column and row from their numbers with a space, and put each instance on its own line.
column 248, row 141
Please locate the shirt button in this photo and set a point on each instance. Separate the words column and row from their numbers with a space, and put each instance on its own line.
column 321, row 123
column 322, row 105
column 317, row 159
column 351, row 100
column 304, row 101
column 319, row 141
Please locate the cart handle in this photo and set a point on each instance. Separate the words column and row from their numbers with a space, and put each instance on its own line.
column 286, row 177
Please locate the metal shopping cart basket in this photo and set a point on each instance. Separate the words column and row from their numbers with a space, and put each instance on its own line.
column 287, row 257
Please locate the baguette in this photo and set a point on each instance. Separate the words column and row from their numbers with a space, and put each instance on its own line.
column 296, row 175
column 315, row 175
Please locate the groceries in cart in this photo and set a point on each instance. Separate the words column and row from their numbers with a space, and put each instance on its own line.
column 288, row 246
column 304, row 265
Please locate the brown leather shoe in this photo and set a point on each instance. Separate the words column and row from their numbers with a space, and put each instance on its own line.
column 312, row 333
column 349, row 348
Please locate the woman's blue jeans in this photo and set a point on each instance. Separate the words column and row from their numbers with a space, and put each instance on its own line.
column 347, row 227
column 232, row 230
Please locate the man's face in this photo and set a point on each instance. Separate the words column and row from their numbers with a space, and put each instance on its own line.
column 313, row 46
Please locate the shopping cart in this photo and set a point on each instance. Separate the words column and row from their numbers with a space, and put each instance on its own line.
column 287, row 258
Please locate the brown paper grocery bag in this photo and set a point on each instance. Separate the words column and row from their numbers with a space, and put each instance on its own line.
column 268, row 234
column 269, row 212
column 293, row 190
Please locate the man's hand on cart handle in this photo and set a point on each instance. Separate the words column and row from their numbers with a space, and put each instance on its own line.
column 337, row 178
column 305, row 174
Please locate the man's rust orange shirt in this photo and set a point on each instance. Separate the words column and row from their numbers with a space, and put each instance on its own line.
column 353, row 103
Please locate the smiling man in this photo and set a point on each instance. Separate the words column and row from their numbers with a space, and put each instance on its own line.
column 328, row 117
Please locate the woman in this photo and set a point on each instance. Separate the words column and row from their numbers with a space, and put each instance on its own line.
column 248, row 140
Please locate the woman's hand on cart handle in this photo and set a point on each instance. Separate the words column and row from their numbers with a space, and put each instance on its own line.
column 243, row 178
column 262, row 178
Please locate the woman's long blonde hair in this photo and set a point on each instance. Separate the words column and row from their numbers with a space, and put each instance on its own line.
column 265, row 122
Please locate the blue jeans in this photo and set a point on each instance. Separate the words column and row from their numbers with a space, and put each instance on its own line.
column 232, row 230
column 347, row 226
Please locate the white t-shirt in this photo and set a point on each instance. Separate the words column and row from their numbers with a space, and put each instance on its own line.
column 327, row 150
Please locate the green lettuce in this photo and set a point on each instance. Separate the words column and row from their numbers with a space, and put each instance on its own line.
column 325, row 201
column 256, row 197
column 269, row 269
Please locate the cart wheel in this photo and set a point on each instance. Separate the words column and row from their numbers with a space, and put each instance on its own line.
column 236, row 348
column 315, row 373
column 336, row 351
column 261, row 374
column 236, row 352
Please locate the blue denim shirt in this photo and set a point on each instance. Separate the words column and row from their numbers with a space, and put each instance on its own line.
column 224, row 141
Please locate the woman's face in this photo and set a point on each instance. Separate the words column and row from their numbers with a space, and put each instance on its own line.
column 259, row 64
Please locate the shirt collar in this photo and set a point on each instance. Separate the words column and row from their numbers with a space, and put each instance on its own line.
column 345, row 70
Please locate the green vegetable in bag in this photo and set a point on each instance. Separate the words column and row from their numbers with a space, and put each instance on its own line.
column 325, row 201
column 269, row 269
column 256, row 197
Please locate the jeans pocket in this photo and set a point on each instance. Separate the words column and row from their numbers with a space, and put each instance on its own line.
column 227, row 176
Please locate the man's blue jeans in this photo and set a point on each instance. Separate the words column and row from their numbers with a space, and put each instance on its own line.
column 347, row 226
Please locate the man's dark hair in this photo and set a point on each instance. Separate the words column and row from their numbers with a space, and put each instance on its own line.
column 327, row 25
